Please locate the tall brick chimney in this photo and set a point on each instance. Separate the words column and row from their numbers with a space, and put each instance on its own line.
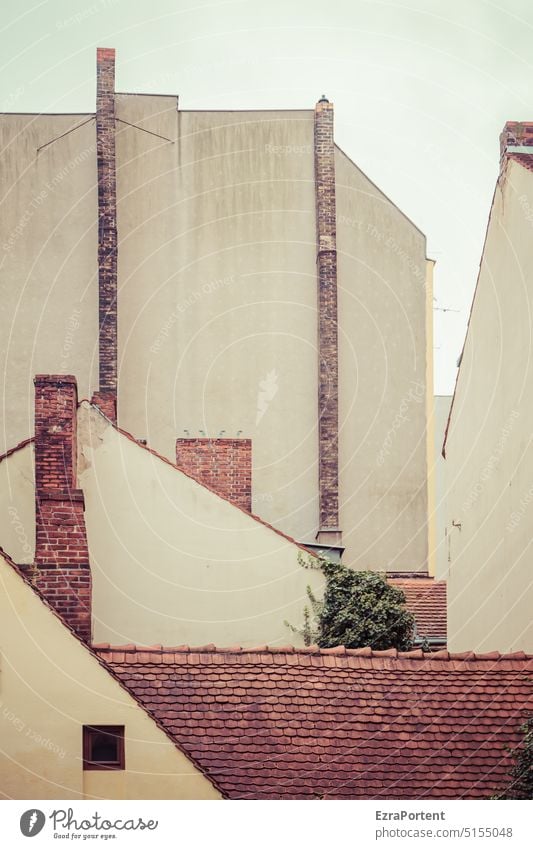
column 224, row 465
column 106, row 397
column 329, row 532
column 62, row 570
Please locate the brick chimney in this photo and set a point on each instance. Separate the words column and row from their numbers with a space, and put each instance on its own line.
column 224, row 465
column 62, row 570
column 106, row 397
column 516, row 143
column 516, row 134
column 328, row 368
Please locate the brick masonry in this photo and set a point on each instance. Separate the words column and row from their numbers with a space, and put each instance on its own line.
column 328, row 388
column 224, row 465
column 107, row 403
column 107, row 225
column 516, row 133
column 61, row 570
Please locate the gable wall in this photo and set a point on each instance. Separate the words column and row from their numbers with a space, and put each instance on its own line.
column 382, row 371
column 489, row 456
column 50, row 687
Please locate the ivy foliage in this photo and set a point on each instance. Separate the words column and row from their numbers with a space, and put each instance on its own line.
column 358, row 609
column 521, row 785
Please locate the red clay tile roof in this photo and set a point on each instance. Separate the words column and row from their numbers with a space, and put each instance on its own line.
column 286, row 723
column 426, row 599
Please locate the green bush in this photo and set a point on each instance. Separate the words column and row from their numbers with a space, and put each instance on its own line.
column 358, row 609
column 521, row 785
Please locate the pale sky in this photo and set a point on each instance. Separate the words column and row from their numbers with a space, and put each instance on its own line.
column 421, row 91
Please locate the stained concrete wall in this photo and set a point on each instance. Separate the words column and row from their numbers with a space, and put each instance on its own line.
column 217, row 306
column 51, row 687
column 171, row 562
column 489, row 454
column 441, row 411
column 48, row 271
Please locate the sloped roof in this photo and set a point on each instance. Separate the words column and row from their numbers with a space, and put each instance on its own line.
column 425, row 598
column 336, row 723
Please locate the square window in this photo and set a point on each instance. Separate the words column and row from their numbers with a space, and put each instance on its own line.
column 103, row 747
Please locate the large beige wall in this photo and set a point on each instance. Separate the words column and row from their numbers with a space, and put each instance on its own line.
column 48, row 271
column 17, row 505
column 50, row 687
column 382, row 361
column 174, row 563
column 217, row 305
column 489, row 453
column 218, row 291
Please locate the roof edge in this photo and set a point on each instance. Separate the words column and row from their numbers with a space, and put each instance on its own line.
column 314, row 650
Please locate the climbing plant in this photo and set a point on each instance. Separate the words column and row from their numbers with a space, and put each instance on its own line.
column 358, row 609
column 521, row 784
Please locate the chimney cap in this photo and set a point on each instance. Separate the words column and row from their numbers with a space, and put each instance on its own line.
column 105, row 53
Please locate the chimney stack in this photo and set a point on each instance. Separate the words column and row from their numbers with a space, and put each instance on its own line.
column 106, row 397
column 62, row 570
column 224, row 465
column 329, row 532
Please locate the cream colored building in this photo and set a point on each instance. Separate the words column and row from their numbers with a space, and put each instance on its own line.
column 489, row 455
column 217, row 307
column 171, row 561
column 51, row 686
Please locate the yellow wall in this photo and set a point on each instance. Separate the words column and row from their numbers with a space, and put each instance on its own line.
column 50, row 687
column 489, row 455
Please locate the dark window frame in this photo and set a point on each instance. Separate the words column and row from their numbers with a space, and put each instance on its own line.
column 89, row 732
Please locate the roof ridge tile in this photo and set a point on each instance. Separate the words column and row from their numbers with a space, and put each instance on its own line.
column 260, row 652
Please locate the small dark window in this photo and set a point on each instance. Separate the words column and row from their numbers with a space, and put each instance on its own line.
column 103, row 747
